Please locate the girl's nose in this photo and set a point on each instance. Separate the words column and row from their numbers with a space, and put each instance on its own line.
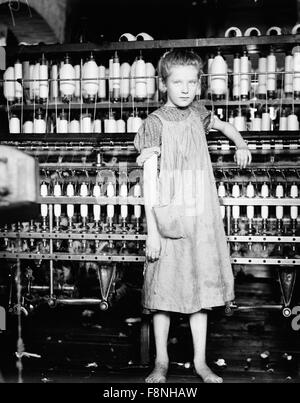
column 185, row 88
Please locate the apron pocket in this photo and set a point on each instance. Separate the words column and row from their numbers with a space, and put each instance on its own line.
column 169, row 219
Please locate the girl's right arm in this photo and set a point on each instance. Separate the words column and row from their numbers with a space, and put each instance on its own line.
column 153, row 243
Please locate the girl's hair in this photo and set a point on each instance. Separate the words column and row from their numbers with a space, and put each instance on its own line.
column 178, row 58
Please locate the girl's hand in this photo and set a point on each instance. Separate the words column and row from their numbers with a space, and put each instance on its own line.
column 243, row 157
column 146, row 154
column 153, row 247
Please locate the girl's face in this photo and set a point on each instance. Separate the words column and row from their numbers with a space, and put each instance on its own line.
column 181, row 86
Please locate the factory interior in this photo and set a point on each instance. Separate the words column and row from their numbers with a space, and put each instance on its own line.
column 77, row 81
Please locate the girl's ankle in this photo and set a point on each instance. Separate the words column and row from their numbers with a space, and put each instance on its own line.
column 200, row 363
column 164, row 362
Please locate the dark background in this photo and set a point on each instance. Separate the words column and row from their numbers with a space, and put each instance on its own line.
column 168, row 19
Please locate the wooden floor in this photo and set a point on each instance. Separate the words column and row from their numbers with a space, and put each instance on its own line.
column 138, row 375
column 79, row 345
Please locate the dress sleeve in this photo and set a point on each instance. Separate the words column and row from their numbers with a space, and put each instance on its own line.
column 206, row 116
column 149, row 134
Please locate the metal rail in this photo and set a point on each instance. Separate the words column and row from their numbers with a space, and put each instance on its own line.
column 264, row 40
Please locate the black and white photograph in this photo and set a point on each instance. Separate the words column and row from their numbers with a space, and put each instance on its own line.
column 149, row 195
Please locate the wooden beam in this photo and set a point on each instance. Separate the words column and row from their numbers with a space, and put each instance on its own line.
column 298, row 10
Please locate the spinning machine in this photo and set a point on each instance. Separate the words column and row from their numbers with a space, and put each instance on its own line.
column 78, row 119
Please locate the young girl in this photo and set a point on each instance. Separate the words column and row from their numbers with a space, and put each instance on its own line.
column 188, row 266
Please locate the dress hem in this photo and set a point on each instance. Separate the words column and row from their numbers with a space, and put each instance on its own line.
column 149, row 311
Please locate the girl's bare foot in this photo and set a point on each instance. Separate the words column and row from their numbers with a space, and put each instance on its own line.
column 207, row 375
column 159, row 374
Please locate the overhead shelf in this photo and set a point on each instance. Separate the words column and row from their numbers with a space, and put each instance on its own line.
column 80, row 48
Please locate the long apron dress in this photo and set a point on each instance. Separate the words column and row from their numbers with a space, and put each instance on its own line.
column 193, row 272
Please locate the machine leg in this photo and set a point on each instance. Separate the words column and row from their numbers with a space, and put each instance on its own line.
column 145, row 340
column 287, row 278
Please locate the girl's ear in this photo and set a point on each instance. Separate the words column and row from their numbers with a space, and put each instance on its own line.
column 199, row 86
column 161, row 85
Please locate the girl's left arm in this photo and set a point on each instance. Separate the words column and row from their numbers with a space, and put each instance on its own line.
column 242, row 154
